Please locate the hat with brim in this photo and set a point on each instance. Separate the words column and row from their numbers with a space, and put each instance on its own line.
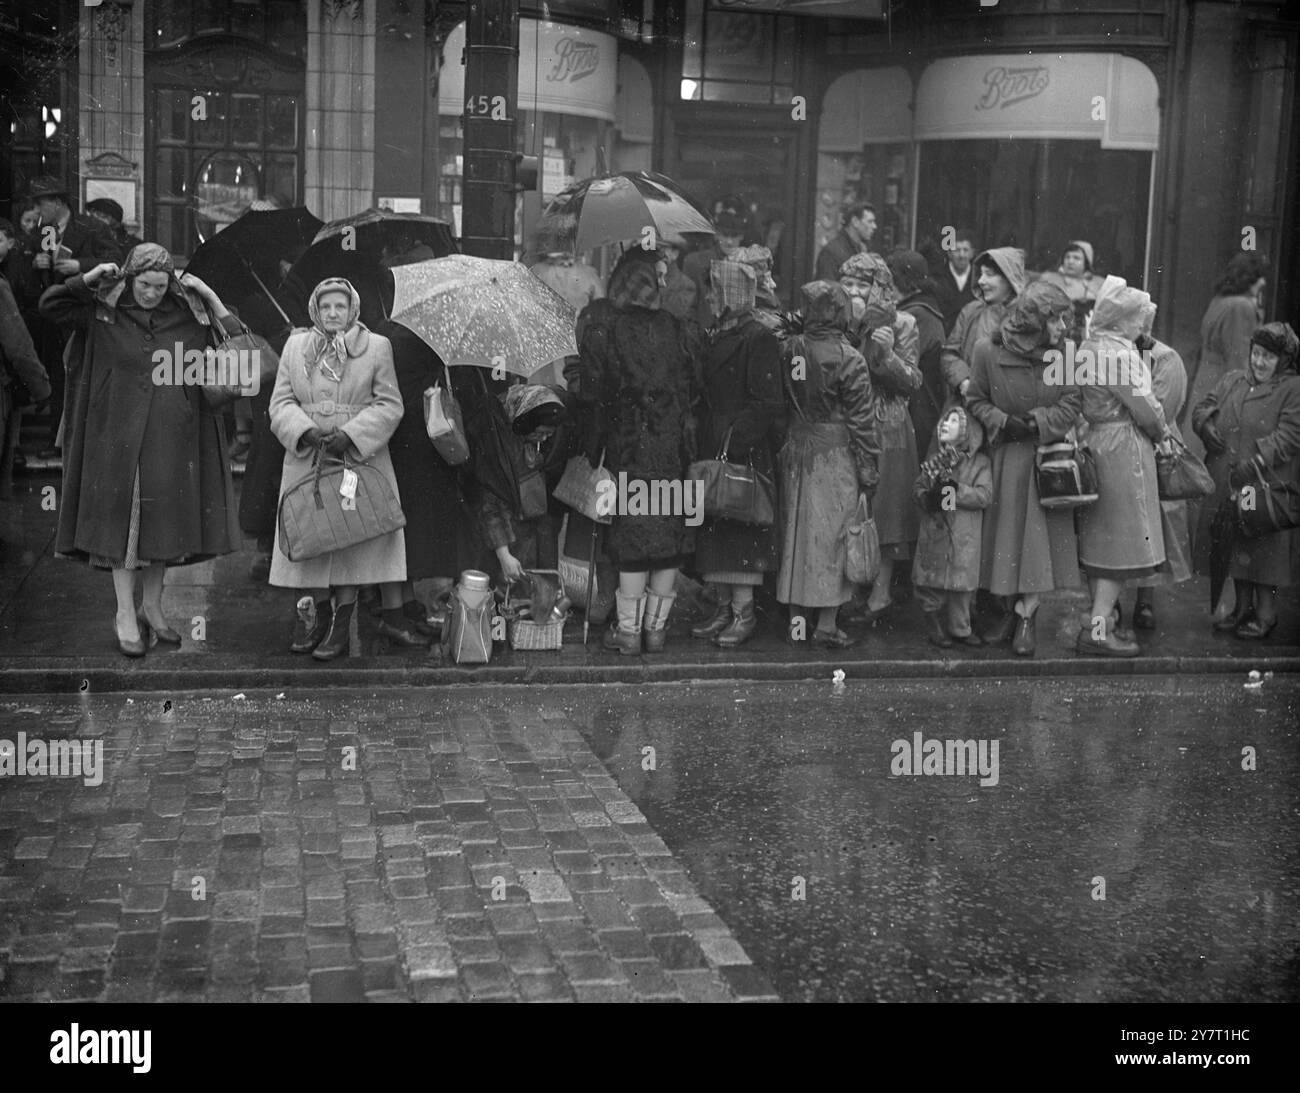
column 46, row 186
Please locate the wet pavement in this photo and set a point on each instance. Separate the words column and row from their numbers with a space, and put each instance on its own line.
column 56, row 630
column 685, row 841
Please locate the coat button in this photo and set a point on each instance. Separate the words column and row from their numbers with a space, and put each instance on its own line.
column 148, row 337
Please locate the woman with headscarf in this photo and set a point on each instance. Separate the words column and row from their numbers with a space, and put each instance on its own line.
column 1076, row 279
column 743, row 400
column 146, row 471
column 337, row 392
column 1026, row 550
column 1120, row 534
column 1230, row 319
column 888, row 341
column 1250, row 425
column 831, row 457
column 999, row 278
column 638, row 385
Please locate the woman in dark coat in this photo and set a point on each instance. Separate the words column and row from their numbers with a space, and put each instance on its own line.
column 1250, row 425
column 146, row 473
column 1121, row 535
column 638, row 388
column 1027, row 550
column 830, row 458
column 916, row 297
column 742, row 393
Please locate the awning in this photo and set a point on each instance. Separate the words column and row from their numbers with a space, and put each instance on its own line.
column 1073, row 96
column 577, row 74
column 866, row 106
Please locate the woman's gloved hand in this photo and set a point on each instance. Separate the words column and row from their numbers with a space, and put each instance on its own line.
column 337, row 442
column 311, row 437
column 1020, row 428
column 1210, row 437
column 1244, row 473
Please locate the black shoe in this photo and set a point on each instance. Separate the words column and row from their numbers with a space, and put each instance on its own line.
column 414, row 613
column 128, row 648
column 972, row 639
column 833, row 639
column 156, row 633
column 715, row 623
column 311, row 625
column 1144, row 616
column 403, row 636
column 1001, row 632
column 335, row 643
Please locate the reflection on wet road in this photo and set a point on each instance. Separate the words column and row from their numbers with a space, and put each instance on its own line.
column 932, row 887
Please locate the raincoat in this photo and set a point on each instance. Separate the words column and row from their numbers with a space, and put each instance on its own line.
column 978, row 319
column 1026, row 548
column 1120, row 534
column 358, row 394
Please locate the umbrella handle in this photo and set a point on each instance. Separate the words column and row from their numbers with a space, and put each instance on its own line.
column 274, row 302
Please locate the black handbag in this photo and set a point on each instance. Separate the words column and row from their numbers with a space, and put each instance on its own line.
column 1180, row 475
column 1267, row 505
column 734, row 491
column 232, row 358
column 1065, row 474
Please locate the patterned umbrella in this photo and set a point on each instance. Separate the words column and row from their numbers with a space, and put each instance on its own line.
column 484, row 312
column 616, row 208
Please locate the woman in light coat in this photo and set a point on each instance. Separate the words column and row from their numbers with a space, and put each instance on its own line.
column 337, row 391
column 1120, row 535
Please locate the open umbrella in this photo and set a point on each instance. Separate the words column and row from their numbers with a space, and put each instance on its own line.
column 617, row 208
column 484, row 312
column 237, row 261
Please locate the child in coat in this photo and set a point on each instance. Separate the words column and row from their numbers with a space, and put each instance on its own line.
column 953, row 489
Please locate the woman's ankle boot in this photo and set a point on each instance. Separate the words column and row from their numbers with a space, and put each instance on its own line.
column 743, row 624
column 713, row 626
column 336, row 641
column 624, row 636
column 311, row 624
column 657, row 610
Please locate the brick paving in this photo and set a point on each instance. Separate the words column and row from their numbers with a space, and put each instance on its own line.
column 472, row 852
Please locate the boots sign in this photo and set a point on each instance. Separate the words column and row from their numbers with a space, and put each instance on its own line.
column 574, row 60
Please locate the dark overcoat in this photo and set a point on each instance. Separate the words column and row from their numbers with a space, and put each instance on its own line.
column 119, row 420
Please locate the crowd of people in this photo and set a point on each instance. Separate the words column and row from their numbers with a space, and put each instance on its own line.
column 915, row 388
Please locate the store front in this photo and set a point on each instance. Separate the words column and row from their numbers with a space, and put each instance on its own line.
column 1033, row 151
column 567, row 112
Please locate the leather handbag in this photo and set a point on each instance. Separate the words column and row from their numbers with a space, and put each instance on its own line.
column 444, row 425
column 1180, row 475
column 1267, row 505
column 235, row 356
column 316, row 518
column 1065, row 474
column 734, row 491
column 862, row 546
column 580, row 488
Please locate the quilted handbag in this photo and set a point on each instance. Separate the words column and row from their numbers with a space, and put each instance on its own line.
column 315, row 517
column 444, row 426
column 1066, row 475
column 862, row 546
column 580, row 488
column 234, row 357
column 1180, row 475
column 734, row 491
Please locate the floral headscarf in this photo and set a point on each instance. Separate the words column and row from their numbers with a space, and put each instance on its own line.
column 881, row 308
column 1024, row 326
column 150, row 258
column 331, row 351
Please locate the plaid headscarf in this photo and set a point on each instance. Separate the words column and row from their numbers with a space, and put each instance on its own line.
column 331, row 351
column 760, row 260
column 733, row 285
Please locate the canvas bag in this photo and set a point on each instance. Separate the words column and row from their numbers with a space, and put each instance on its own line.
column 312, row 517
column 579, row 487
column 862, row 546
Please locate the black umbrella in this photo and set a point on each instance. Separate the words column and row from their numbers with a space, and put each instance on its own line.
column 352, row 248
column 240, row 259
column 1223, row 538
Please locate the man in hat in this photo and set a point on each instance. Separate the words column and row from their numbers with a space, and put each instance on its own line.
column 853, row 238
column 65, row 245
column 109, row 212
column 729, row 226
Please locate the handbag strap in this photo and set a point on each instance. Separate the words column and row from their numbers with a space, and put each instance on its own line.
column 726, row 445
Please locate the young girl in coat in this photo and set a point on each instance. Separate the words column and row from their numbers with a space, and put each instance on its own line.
column 954, row 488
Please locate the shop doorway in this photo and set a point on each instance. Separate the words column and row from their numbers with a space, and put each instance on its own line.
column 713, row 160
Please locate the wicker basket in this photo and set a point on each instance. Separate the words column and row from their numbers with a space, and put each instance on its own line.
column 528, row 633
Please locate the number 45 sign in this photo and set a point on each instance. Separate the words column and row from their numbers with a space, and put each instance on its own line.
column 494, row 108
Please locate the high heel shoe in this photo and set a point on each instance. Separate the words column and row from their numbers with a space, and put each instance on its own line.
column 126, row 647
column 158, row 633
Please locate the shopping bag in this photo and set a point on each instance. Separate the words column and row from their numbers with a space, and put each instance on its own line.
column 1180, row 475
column 316, row 518
column 580, row 488
column 444, row 425
column 862, row 546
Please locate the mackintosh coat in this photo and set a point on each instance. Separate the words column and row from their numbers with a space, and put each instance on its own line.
column 120, row 420
column 365, row 404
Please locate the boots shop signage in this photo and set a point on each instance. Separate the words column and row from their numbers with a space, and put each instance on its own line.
column 562, row 69
column 825, row 9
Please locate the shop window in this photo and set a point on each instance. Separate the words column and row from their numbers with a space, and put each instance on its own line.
column 730, row 57
column 1038, row 195
column 1055, row 19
